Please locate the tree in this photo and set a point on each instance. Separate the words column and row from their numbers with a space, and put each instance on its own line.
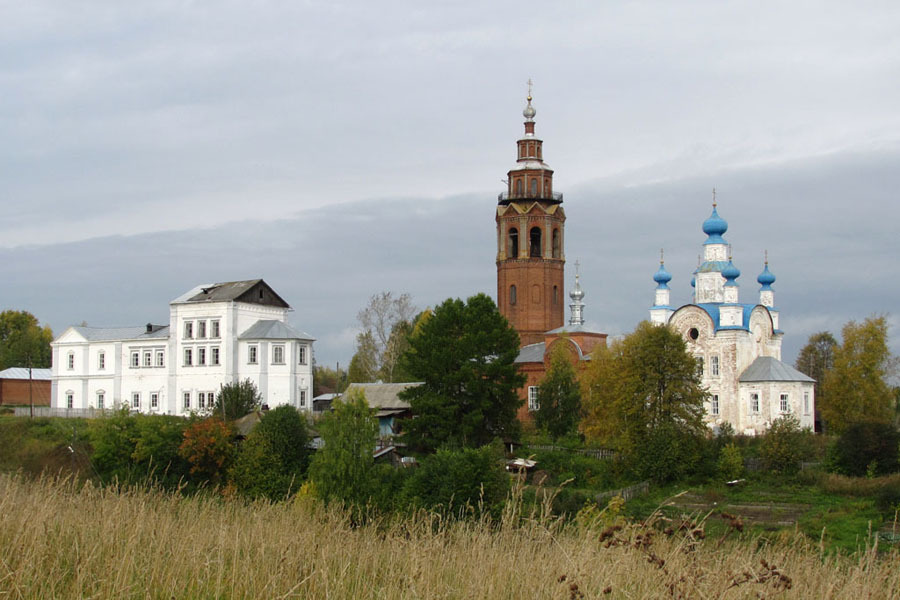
column 785, row 445
column 328, row 380
column 342, row 470
column 207, row 446
column 865, row 447
column 386, row 322
column 643, row 397
column 464, row 353
column 23, row 342
column 856, row 389
column 816, row 359
column 272, row 462
column 239, row 399
column 559, row 396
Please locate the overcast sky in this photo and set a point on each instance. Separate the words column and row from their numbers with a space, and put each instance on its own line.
column 338, row 149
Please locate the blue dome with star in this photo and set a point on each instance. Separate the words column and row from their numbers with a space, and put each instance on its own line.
column 766, row 278
column 714, row 227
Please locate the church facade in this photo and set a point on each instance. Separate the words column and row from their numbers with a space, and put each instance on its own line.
column 738, row 345
column 531, row 267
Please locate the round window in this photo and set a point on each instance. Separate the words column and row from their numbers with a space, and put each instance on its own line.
column 694, row 333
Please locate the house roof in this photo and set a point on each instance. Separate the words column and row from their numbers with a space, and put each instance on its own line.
column 766, row 368
column 267, row 329
column 108, row 334
column 22, row 373
column 251, row 291
column 531, row 353
column 383, row 395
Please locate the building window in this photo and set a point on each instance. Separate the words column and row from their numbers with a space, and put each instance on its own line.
column 785, row 407
column 513, row 242
column 187, row 401
column 301, row 353
column 534, row 186
column 302, row 398
column 533, row 403
column 512, row 295
column 188, row 329
column 148, row 359
column 251, row 354
column 201, row 329
column 754, row 402
column 136, row 400
column 518, row 188
column 214, row 328
column 805, row 403
column 188, row 357
column 714, row 366
column 536, row 247
column 714, row 408
column 555, row 295
column 160, row 358
column 70, row 400
column 557, row 252
column 211, row 399
column 700, row 366
column 278, row 355
column 201, row 356
column 214, row 357
column 154, row 400
column 100, row 399
column 135, row 360
column 71, row 363
column 101, row 361
column 201, row 400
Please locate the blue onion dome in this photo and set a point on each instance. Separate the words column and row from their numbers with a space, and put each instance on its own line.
column 714, row 227
column 730, row 273
column 662, row 277
column 766, row 278
column 693, row 282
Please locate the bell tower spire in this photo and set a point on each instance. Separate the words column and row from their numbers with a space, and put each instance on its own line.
column 530, row 233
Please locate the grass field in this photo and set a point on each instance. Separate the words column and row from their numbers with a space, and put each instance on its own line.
column 61, row 539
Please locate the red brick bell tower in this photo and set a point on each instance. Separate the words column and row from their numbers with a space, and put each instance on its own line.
column 530, row 234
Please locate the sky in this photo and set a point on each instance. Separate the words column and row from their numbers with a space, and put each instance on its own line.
column 338, row 149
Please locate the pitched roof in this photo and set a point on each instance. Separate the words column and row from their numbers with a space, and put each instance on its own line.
column 383, row 395
column 266, row 329
column 22, row 373
column 531, row 353
column 766, row 368
column 251, row 291
column 108, row 334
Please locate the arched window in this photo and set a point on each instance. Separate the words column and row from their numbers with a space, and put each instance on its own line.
column 512, row 294
column 513, row 243
column 536, row 248
column 538, row 151
column 555, row 295
column 534, row 185
column 556, row 245
column 518, row 188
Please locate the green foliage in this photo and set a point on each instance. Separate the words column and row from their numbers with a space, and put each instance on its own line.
column 23, row 342
column 855, row 389
column 272, row 462
column 364, row 364
column 139, row 448
column 583, row 471
column 785, row 445
column 328, row 380
column 559, row 396
column 464, row 353
column 460, row 482
column 865, row 447
column 643, row 397
column 386, row 323
column 208, row 447
column 816, row 359
column 731, row 463
column 238, row 398
column 342, row 471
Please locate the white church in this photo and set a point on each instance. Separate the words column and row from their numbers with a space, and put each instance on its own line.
column 217, row 334
column 738, row 344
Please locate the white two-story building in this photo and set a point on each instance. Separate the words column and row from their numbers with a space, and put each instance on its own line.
column 217, row 333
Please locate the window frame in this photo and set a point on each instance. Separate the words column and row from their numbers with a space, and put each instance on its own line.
column 154, row 400
column 214, row 329
column 186, row 401
column 136, row 400
column 70, row 400
column 714, row 365
column 714, row 407
column 201, row 329
column 301, row 354
column 278, row 349
column 188, row 330
column 188, row 357
column 160, row 358
column 135, row 359
column 148, row 358
column 70, row 361
column 201, row 356
column 754, row 403
column 101, row 399
column 214, row 356
column 101, row 361
column 533, row 404
column 252, row 354
column 302, row 399
column 785, row 404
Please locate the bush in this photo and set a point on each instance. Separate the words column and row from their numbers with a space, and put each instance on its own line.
column 208, row 447
column 860, row 445
column 585, row 471
column 457, row 481
column 785, row 445
column 731, row 463
column 667, row 454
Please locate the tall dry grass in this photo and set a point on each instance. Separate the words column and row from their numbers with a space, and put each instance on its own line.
column 59, row 539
